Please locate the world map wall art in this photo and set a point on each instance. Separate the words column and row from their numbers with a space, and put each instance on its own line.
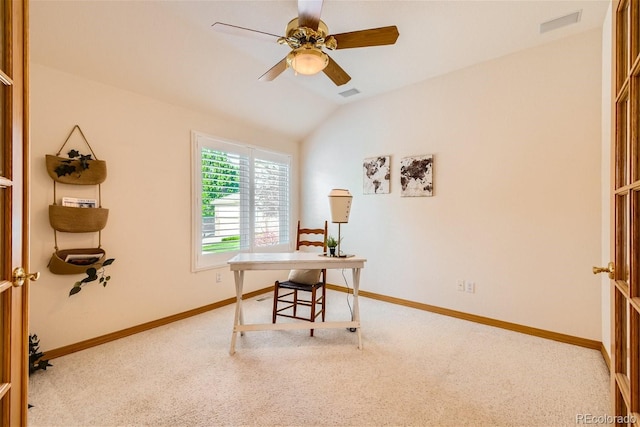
column 376, row 175
column 416, row 176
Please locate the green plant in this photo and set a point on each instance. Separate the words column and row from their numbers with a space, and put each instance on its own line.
column 77, row 162
column 332, row 242
column 36, row 360
column 93, row 274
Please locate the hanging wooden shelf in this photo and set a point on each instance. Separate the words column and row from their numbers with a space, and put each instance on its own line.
column 95, row 174
column 73, row 219
column 59, row 265
column 77, row 220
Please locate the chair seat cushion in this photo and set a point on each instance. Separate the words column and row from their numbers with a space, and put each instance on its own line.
column 305, row 277
column 298, row 286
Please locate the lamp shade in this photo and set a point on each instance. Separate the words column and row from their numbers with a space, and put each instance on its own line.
column 307, row 60
column 340, row 202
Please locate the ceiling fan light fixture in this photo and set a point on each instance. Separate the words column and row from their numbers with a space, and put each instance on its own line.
column 307, row 60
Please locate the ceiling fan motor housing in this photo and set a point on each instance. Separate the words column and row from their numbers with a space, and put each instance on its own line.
column 297, row 36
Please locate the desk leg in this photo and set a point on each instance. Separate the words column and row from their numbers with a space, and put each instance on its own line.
column 238, row 318
column 356, row 305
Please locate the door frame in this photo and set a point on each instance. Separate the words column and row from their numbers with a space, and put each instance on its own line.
column 15, row 312
column 625, row 210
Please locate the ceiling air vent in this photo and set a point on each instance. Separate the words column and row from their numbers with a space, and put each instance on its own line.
column 350, row 92
column 554, row 24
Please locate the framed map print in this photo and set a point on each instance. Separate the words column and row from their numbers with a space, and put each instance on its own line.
column 376, row 175
column 416, row 176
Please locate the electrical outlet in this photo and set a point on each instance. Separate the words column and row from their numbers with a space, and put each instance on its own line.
column 470, row 287
column 218, row 277
column 460, row 285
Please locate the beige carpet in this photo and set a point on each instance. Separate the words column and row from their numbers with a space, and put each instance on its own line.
column 416, row 368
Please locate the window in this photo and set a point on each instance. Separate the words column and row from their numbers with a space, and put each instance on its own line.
column 241, row 200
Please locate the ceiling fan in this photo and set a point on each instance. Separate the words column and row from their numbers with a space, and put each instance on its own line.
column 307, row 36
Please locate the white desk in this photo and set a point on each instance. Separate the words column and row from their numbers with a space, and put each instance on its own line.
column 287, row 261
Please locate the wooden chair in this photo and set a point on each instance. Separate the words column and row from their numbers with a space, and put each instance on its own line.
column 311, row 284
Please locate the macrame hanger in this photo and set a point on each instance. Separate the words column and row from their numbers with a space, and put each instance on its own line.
column 55, row 240
column 55, row 196
column 83, row 137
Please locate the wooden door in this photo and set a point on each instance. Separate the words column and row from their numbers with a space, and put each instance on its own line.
column 625, row 289
column 13, row 221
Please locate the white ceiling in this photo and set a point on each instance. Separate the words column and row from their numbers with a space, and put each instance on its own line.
column 168, row 50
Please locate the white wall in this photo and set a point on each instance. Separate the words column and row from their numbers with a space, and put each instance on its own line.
column 517, row 205
column 147, row 147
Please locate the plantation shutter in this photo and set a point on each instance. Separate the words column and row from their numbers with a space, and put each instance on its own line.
column 242, row 197
column 271, row 199
column 225, row 188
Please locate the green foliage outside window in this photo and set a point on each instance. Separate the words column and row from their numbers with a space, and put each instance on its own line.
column 220, row 177
column 226, row 244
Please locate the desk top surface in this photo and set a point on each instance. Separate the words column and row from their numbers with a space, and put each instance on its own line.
column 291, row 260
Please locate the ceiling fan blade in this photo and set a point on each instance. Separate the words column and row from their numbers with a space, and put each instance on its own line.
column 336, row 73
column 371, row 37
column 241, row 31
column 275, row 71
column 309, row 13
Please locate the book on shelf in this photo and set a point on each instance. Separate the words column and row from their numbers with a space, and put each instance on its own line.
column 83, row 259
column 74, row 202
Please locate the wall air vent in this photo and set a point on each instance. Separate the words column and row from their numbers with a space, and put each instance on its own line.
column 563, row 21
column 350, row 92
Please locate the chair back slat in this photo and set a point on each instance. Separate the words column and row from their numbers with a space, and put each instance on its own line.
column 308, row 243
column 313, row 237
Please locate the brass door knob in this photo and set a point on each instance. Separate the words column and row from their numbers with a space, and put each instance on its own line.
column 19, row 276
column 608, row 269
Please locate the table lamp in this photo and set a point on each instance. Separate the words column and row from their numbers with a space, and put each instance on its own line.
column 340, row 202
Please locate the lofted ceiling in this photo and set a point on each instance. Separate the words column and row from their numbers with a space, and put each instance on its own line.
column 169, row 51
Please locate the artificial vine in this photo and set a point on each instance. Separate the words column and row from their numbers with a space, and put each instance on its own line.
column 93, row 274
column 77, row 163
column 36, row 361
